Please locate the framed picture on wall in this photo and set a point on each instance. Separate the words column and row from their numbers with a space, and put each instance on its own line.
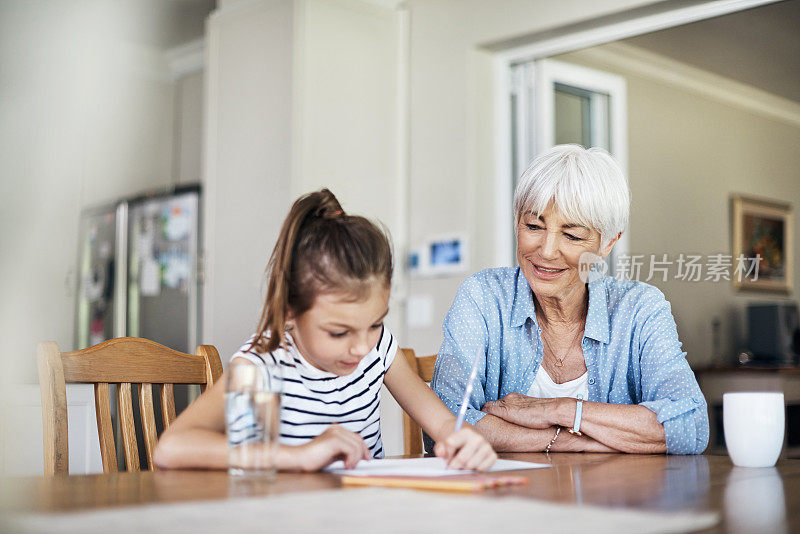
column 440, row 255
column 762, row 244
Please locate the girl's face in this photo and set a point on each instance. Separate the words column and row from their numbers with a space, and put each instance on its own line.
column 337, row 332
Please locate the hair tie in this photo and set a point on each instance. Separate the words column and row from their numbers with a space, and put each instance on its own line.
column 328, row 213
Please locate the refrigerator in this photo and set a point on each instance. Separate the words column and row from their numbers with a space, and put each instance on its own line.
column 139, row 276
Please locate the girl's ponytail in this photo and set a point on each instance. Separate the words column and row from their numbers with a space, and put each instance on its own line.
column 321, row 204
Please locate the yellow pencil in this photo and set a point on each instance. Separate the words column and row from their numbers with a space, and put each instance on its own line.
column 435, row 484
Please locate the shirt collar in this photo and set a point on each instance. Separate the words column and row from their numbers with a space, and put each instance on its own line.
column 523, row 307
column 596, row 318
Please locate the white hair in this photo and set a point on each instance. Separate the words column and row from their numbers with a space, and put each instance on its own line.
column 586, row 186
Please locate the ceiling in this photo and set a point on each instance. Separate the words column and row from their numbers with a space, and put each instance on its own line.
column 161, row 24
column 759, row 47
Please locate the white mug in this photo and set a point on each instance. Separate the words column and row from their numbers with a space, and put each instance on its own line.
column 754, row 425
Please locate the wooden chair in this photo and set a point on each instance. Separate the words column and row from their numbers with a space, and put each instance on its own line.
column 122, row 361
column 412, row 433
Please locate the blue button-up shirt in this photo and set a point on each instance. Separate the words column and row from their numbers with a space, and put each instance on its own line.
column 630, row 345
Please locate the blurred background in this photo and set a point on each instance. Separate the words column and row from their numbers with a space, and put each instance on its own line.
column 150, row 150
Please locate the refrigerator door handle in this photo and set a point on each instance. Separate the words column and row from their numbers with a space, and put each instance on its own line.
column 121, row 274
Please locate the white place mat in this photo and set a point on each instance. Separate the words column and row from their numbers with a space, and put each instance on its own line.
column 419, row 467
column 391, row 511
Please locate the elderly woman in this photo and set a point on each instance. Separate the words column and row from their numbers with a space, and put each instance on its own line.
column 568, row 363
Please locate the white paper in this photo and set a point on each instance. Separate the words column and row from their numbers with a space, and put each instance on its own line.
column 419, row 467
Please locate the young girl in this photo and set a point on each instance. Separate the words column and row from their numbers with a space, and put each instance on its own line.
column 322, row 331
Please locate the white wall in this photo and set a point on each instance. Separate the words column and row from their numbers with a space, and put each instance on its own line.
column 188, row 129
column 86, row 117
column 346, row 95
column 247, row 165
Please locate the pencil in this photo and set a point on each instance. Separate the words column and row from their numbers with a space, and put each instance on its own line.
column 459, row 486
column 467, row 392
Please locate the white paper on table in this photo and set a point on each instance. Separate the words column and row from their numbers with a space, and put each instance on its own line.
column 419, row 467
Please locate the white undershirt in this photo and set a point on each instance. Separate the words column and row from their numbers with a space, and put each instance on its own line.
column 543, row 386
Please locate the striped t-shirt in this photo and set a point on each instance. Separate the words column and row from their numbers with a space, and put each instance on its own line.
column 313, row 399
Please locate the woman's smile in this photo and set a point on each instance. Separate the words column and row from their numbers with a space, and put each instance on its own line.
column 547, row 273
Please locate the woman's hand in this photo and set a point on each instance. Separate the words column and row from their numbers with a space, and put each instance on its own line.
column 336, row 443
column 466, row 449
column 525, row 411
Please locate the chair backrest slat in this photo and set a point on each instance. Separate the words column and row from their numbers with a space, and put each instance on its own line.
column 133, row 360
column 105, row 427
column 412, row 433
column 122, row 362
column 167, row 405
column 127, row 426
column 148, row 417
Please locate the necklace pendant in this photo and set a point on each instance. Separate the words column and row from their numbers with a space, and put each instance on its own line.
column 559, row 363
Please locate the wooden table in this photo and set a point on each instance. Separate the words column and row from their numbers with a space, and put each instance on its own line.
column 768, row 498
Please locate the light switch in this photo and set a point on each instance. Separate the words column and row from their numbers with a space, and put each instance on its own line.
column 419, row 311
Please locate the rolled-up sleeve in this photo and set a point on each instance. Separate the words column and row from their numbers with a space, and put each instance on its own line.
column 668, row 385
column 464, row 335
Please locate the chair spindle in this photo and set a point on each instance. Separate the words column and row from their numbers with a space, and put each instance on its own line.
column 125, row 411
column 105, row 427
column 167, row 405
column 147, row 415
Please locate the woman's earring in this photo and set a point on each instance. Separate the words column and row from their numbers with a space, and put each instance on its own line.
column 288, row 327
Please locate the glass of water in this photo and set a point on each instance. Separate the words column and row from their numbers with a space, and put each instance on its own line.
column 252, row 420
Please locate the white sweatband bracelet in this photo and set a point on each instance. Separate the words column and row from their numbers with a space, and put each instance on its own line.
column 576, row 425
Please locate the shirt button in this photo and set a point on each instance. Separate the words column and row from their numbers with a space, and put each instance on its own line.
column 591, row 381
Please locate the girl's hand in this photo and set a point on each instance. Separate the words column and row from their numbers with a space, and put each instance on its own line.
column 466, row 449
column 336, row 443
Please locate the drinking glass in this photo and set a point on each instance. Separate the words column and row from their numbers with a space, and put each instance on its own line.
column 252, row 420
